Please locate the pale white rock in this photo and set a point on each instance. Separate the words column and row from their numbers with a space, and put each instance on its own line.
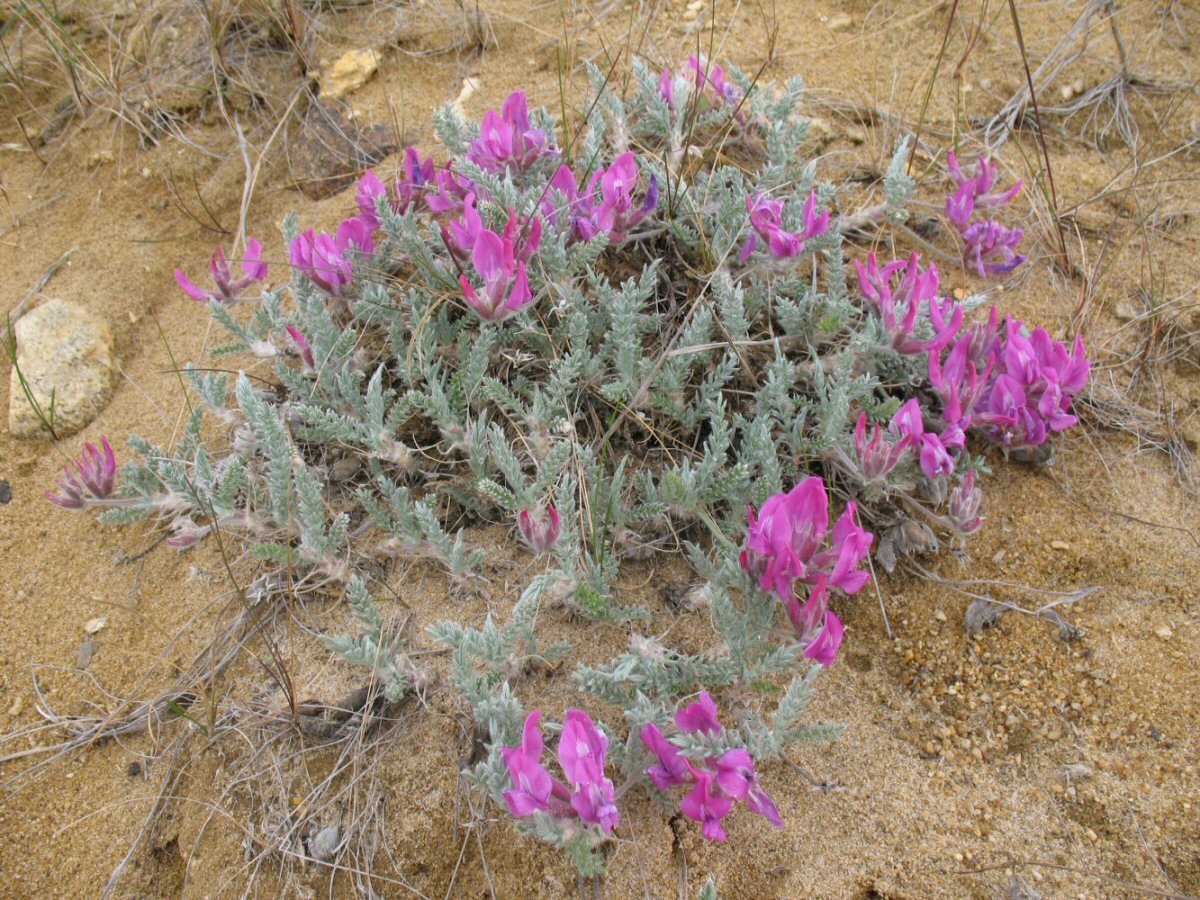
column 349, row 72
column 324, row 844
column 470, row 87
column 64, row 352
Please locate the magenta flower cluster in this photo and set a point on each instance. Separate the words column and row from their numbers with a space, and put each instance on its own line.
column 228, row 290
column 327, row 260
column 766, row 222
column 711, row 77
column 915, row 298
column 590, row 796
column 607, row 205
column 508, row 140
column 988, row 246
column 880, row 454
column 496, row 283
column 92, row 481
column 1015, row 386
column 784, row 545
column 717, row 782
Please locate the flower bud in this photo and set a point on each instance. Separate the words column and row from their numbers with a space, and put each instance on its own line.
column 539, row 535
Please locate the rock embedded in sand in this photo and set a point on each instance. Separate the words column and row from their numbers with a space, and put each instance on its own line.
column 349, row 72
column 65, row 353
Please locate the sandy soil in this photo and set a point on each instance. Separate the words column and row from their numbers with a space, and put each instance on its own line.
column 967, row 760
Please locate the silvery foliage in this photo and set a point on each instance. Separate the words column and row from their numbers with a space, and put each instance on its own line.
column 380, row 648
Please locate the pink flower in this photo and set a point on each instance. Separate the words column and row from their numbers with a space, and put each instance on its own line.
column 724, row 91
column 965, row 502
column 699, row 717
column 718, row 781
column 449, row 191
column 900, row 309
column 706, row 805
column 614, row 212
column 907, row 430
column 876, row 457
column 936, row 460
column 666, row 88
column 784, row 539
column 766, row 220
column 907, row 423
column 228, row 290
column 92, row 481
column 462, row 234
column 370, row 188
column 816, row 625
column 413, row 184
column 581, row 751
column 991, row 249
column 1033, row 381
column 809, row 619
column 508, row 139
column 607, row 206
column 824, row 649
column 673, row 766
column 505, row 290
column 326, row 260
column 302, row 346
column 526, row 236
column 539, row 535
column 975, row 192
column 958, row 383
column 533, row 788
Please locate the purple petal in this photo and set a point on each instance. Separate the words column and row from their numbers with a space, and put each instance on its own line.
column 700, row 716
column 191, row 290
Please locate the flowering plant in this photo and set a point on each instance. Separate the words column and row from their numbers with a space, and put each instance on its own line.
column 625, row 353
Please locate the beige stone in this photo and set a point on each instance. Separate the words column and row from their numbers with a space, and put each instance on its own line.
column 64, row 352
column 349, row 72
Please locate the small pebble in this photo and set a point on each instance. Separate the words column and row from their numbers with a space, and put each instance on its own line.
column 325, row 843
column 1059, row 545
column 939, row 615
column 1164, row 632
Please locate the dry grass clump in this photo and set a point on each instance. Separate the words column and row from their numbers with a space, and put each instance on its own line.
column 153, row 67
